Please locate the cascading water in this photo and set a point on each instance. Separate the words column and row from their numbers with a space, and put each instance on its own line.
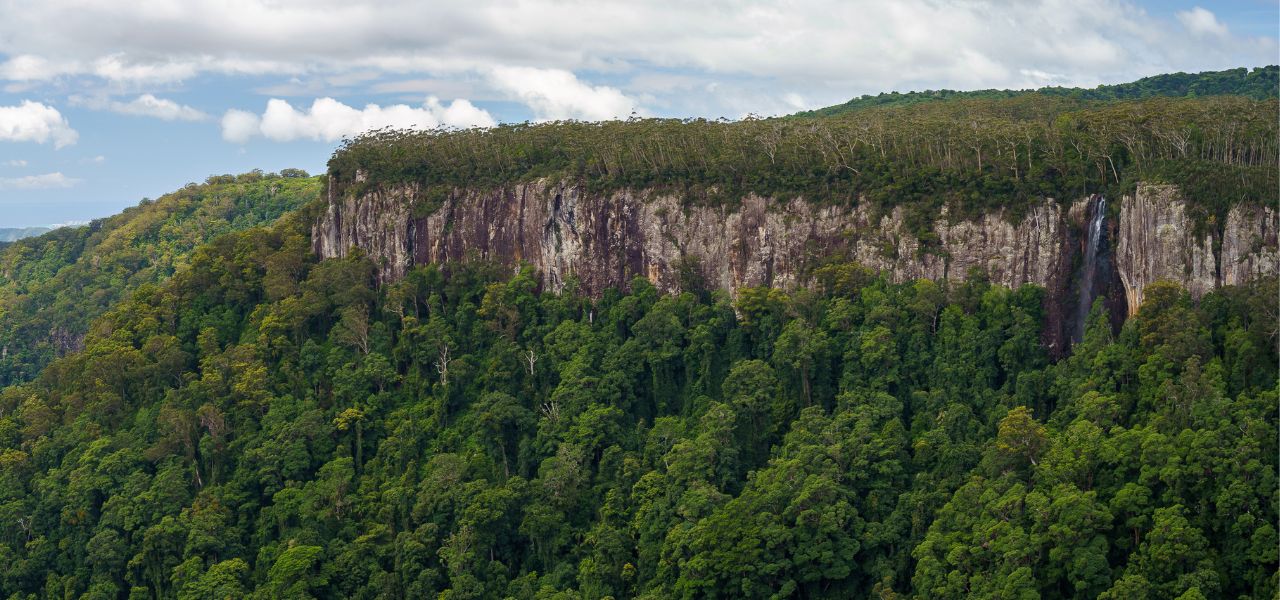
column 1092, row 256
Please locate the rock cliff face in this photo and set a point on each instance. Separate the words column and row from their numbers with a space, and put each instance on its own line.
column 605, row 240
column 1157, row 241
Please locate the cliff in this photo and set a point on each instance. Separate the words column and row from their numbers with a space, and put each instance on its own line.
column 607, row 239
column 1157, row 241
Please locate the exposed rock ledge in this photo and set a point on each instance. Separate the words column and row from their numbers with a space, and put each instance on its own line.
column 605, row 240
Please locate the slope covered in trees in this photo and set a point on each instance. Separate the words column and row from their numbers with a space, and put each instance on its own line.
column 262, row 425
column 54, row 285
column 1259, row 83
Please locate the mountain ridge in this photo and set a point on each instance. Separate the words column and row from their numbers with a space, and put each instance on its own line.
column 1258, row 83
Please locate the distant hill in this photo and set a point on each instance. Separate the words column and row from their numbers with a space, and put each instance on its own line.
column 13, row 234
column 53, row 285
column 1259, row 83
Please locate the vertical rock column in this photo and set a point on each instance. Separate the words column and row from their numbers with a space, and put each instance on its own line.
column 1157, row 241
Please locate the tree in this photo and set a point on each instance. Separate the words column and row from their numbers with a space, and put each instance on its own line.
column 295, row 573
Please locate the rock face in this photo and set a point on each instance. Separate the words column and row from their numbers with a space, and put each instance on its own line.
column 605, row 240
column 1157, row 241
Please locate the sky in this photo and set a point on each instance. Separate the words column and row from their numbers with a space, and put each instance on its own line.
column 105, row 103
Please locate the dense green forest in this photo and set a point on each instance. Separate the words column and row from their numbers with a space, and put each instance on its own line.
column 54, row 285
column 241, row 420
column 1259, row 83
column 976, row 155
column 263, row 425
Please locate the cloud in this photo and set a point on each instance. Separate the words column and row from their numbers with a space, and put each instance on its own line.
column 15, row 163
column 37, row 182
column 1201, row 22
column 867, row 42
column 35, row 122
column 330, row 120
column 557, row 94
column 27, row 68
column 239, row 126
column 147, row 105
column 751, row 55
column 121, row 68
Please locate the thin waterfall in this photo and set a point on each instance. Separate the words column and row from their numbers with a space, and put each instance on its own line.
column 1093, row 241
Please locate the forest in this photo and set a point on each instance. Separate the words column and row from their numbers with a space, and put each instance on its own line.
column 197, row 408
column 1259, row 83
column 265, row 425
column 54, row 285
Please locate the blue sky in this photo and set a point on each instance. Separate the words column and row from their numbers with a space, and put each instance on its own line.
column 104, row 104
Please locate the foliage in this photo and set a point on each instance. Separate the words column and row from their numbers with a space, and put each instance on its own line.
column 1259, row 83
column 54, row 285
column 263, row 425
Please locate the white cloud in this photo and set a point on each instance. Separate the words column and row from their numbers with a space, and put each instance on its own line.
column 96, row 160
column 239, row 126
column 330, row 120
column 557, row 94
column 15, row 163
column 28, row 68
column 117, row 67
column 147, row 105
column 1202, row 22
column 37, row 182
column 120, row 68
column 35, row 122
column 795, row 101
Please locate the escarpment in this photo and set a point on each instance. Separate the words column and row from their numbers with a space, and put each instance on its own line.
column 606, row 239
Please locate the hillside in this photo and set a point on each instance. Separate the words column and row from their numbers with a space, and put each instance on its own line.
column 1259, row 83
column 991, row 348
column 265, row 425
column 54, row 285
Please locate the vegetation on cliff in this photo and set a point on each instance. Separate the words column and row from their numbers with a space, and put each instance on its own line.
column 978, row 155
column 263, row 425
column 54, row 285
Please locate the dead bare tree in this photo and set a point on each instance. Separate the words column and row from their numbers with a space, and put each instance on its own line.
column 531, row 358
column 442, row 364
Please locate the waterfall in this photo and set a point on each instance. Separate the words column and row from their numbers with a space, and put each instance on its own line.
column 1093, row 240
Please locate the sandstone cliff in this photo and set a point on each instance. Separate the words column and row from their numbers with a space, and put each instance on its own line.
column 1157, row 241
column 607, row 239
